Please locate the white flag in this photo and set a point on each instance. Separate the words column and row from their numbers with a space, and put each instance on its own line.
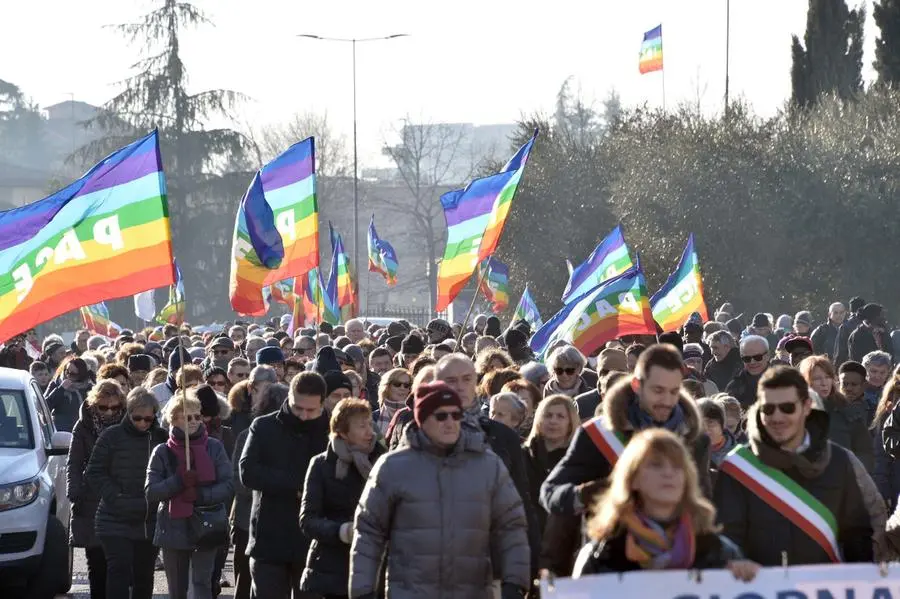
column 144, row 307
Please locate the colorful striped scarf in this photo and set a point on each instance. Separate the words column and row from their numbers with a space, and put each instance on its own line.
column 655, row 547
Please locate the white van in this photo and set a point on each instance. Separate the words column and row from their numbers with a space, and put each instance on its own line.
column 34, row 512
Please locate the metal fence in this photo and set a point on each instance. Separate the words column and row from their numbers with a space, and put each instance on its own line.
column 416, row 315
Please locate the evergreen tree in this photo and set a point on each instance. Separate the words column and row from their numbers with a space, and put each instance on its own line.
column 829, row 61
column 207, row 170
column 887, row 45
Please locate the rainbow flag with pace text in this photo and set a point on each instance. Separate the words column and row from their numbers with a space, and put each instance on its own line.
column 527, row 310
column 382, row 257
column 276, row 230
column 618, row 307
column 608, row 260
column 651, row 58
column 104, row 236
column 495, row 284
column 682, row 294
column 475, row 218
column 96, row 319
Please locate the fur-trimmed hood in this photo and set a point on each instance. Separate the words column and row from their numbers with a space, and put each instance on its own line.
column 615, row 410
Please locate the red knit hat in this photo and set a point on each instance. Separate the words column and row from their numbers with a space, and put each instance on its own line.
column 430, row 397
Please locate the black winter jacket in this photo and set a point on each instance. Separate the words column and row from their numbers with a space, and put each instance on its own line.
column 539, row 462
column 243, row 497
column 824, row 339
column 327, row 504
column 722, row 373
column 848, row 428
column 862, row 342
column 587, row 404
column 711, row 552
column 825, row 471
column 743, row 388
column 273, row 464
column 116, row 472
column 841, row 348
column 65, row 406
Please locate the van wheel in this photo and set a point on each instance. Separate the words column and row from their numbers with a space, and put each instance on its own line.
column 55, row 574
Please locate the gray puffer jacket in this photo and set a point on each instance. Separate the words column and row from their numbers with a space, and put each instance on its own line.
column 440, row 524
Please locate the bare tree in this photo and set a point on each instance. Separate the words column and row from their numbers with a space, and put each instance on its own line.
column 431, row 158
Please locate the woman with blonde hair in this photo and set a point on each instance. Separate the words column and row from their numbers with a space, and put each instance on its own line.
column 653, row 516
column 393, row 391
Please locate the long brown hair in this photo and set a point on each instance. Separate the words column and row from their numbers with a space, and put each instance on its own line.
column 620, row 496
column 810, row 363
column 887, row 400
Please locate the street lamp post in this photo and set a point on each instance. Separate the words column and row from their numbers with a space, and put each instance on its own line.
column 352, row 42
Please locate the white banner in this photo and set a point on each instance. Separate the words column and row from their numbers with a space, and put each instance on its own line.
column 144, row 306
column 854, row 581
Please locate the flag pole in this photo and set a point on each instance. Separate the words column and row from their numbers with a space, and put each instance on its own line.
column 663, row 70
column 462, row 329
column 727, row 48
column 180, row 386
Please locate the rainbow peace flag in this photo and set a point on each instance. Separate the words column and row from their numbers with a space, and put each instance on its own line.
column 340, row 271
column 308, row 291
column 331, row 310
column 527, row 310
column 475, row 218
column 104, row 236
column 651, row 51
column 173, row 311
column 608, row 260
column 283, row 292
column 382, row 257
column 96, row 320
column 276, row 230
column 495, row 284
column 682, row 294
column 618, row 307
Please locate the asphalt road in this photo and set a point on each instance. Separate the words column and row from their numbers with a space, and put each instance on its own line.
column 80, row 588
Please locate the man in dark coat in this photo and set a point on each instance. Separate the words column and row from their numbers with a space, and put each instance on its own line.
column 273, row 464
column 726, row 363
column 871, row 335
column 755, row 356
column 824, row 337
column 786, row 434
column 841, row 350
column 608, row 361
column 652, row 398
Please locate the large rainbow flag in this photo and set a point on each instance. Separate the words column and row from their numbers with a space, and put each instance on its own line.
column 382, row 257
column 682, row 294
column 651, row 58
column 495, row 283
column 309, row 291
column 618, row 307
column 475, row 218
column 96, row 320
column 104, row 236
column 173, row 311
column 608, row 260
column 276, row 230
column 527, row 310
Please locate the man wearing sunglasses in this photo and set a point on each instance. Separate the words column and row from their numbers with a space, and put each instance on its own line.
column 455, row 474
column 755, row 356
column 792, row 492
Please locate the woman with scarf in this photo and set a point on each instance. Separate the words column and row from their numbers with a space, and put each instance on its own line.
column 103, row 408
column 566, row 364
column 654, row 517
column 393, row 391
column 334, row 484
column 66, row 398
column 180, row 488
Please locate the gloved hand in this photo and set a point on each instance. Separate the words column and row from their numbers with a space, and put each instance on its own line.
column 510, row 591
column 189, row 478
column 346, row 532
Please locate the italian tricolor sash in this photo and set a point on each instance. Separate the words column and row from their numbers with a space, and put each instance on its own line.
column 786, row 497
column 610, row 443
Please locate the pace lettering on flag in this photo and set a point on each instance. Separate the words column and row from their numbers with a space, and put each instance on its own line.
column 102, row 237
column 682, row 294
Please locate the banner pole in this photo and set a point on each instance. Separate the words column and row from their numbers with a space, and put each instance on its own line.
column 179, row 386
column 462, row 330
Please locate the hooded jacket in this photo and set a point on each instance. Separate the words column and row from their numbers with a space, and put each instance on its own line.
column 439, row 527
column 824, row 470
column 722, row 373
column 862, row 341
column 585, row 464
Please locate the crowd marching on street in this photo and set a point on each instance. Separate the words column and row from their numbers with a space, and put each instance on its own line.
column 397, row 461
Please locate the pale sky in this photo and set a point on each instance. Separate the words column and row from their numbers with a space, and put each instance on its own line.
column 480, row 61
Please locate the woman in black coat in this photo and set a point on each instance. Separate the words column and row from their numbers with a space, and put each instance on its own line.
column 66, row 398
column 125, row 521
column 103, row 408
column 334, row 484
column 654, row 516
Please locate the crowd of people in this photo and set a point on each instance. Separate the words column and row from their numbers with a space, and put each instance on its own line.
column 367, row 461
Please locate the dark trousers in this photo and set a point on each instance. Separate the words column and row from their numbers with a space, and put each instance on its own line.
column 189, row 569
column 242, row 578
column 96, row 566
column 277, row 580
column 218, row 566
column 129, row 564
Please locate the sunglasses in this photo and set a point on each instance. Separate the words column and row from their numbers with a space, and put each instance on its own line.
column 755, row 358
column 192, row 418
column 399, row 384
column 112, row 408
column 561, row 371
column 221, row 352
column 147, row 419
column 442, row 416
column 240, row 375
column 785, row 408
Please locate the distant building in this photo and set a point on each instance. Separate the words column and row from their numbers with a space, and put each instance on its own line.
column 20, row 185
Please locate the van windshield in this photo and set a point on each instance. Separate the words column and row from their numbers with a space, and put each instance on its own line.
column 15, row 423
